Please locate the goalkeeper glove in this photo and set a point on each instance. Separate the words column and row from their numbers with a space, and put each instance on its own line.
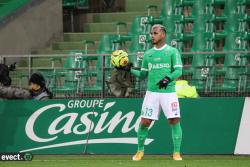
column 163, row 83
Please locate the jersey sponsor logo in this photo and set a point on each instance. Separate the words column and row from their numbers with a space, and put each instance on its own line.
column 158, row 66
column 166, row 52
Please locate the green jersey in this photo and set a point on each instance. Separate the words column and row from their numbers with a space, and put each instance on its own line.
column 158, row 63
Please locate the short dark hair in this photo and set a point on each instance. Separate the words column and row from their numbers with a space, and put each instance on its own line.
column 163, row 28
column 37, row 78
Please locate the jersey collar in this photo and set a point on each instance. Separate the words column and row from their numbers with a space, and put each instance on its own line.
column 161, row 47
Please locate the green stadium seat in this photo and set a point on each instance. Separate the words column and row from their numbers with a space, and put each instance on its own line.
column 118, row 40
column 208, row 6
column 139, row 44
column 197, row 10
column 75, row 3
column 83, row 3
column 233, row 25
column 199, row 78
column 174, row 26
column 248, row 80
column 231, row 80
column 167, row 8
column 234, row 7
column 203, row 42
column 74, row 78
column 219, row 2
column 106, row 45
column 236, row 42
column 150, row 7
column 235, row 60
column 69, row 3
column 179, row 4
column 243, row 82
column 70, row 83
column 70, row 74
column 235, row 79
column 140, row 24
column 168, row 22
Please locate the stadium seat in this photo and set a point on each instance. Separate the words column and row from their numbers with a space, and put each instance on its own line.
column 179, row 4
column 202, row 43
column 199, row 78
column 167, row 8
column 139, row 44
column 140, row 25
column 235, row 79
column 70, row 74
column 233, row 25
column 74, row 78
column 243, row 82
column 75, row 3
column 69, row 3
column 174, row 26
column 236, row 42
column 197, row 10
column 106, row 45
column 234, row 7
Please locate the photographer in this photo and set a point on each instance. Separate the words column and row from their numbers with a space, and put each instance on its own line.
column 37, row 87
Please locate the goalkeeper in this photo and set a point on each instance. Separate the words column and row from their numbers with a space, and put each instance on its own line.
column 161, row 65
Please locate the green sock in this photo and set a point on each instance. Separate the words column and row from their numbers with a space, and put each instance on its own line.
column 177, row 137
column 141, row 137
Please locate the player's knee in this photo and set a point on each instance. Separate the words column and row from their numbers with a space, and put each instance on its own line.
column 146, row 122
column 173, row 121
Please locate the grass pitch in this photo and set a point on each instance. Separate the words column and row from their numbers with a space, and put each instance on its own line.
column 125, row 161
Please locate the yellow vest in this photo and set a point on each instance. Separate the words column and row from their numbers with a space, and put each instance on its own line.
column 184, row 90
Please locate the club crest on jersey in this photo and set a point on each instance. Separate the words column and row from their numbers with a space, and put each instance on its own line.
column 157, row 59
column 150, row 66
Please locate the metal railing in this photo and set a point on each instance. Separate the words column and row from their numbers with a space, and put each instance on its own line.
column 79, row 75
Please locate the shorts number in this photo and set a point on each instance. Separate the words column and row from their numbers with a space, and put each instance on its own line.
column 148, row 112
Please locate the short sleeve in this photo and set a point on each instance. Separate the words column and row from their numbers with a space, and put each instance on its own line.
column 176, row 58
column 144, row 66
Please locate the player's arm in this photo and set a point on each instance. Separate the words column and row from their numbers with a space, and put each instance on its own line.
column 177, row 65
column 143, row 73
